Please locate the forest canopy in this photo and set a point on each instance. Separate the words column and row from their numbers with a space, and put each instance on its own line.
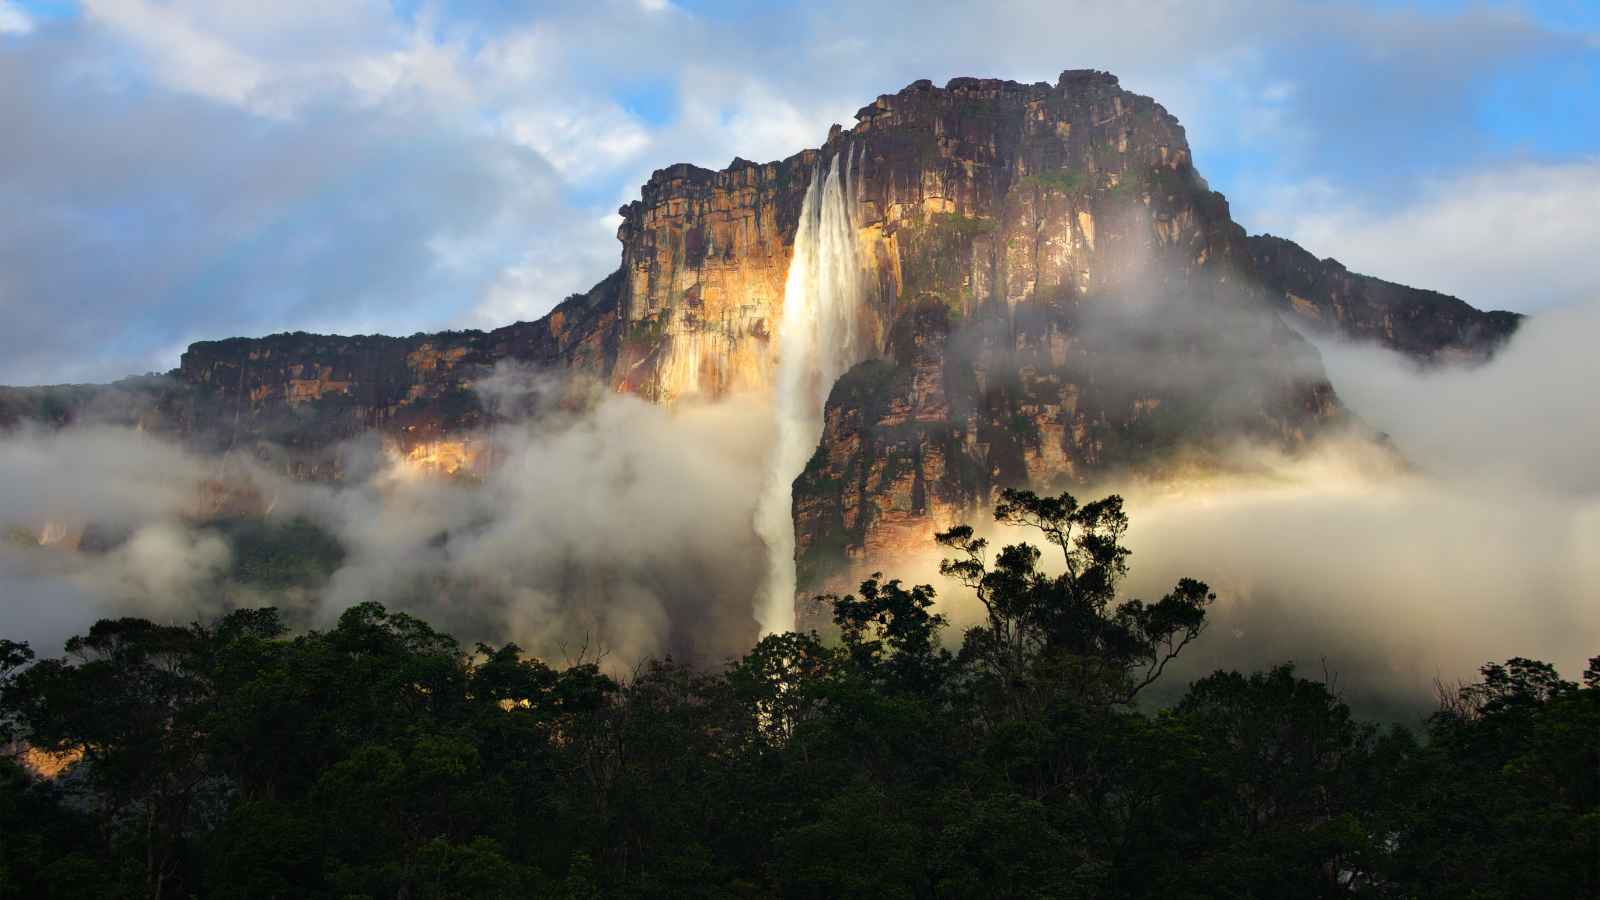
column 381, row 758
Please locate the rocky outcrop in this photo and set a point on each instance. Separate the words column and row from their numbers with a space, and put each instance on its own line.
column 1067, row 298
column 291, row 398
column 308, row 391
column 1322, row 297
column 704, row 258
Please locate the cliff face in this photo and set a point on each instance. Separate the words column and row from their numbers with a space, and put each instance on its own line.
column 704, row 258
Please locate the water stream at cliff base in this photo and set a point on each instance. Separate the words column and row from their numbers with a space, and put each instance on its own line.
column 816, row 344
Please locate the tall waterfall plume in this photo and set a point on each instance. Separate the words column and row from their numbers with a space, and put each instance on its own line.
column 817, row 342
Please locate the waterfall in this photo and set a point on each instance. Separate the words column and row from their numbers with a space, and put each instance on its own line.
column 816, row 344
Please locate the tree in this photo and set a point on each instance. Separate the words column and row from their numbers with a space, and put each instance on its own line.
column 1046, row 634
column 131, row 704
column 14, row 657
column 1505, row 795
column 1288, row 795
column 780, row 683
column 889, row 632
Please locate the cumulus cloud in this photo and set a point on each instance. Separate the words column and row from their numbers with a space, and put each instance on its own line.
column 303, row 165
column 184, row 55
column 273, row 59
column 580, row 141
column 124, row 239
column 550, row 266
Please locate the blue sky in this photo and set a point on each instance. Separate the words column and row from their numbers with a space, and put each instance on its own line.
column 178, row 170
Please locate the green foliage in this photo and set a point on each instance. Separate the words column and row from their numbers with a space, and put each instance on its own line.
column 380, row 758
column 14, row 657
column 52, row 407
column 823, row 556
column 954, row 226
column 866, row 381
column 1505, row 796
column 1052, row 639
column 937, row 257
column 1061, row 181
column 640, row 337
column 1130, row 184
column 276, row 555
column 1155, row 180
column 890, row 633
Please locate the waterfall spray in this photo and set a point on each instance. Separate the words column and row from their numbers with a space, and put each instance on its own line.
column 816, row 344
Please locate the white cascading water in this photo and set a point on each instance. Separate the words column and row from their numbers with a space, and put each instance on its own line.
column 816, row 344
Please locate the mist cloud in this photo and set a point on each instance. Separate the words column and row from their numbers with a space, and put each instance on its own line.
column 1389, row 579
column 598, row 522
column 100, row 483
column 619, row 523
column 1529, row 419
column 1483, row 545
column 1472, row 535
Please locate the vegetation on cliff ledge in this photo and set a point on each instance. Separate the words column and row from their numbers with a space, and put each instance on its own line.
column 1061, row 181
column 382, row 759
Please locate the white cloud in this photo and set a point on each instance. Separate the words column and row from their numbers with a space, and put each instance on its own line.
column 548, row 271
column 274, row 59
column 1528, row 419
column 580, row 141
column 725, row 112
column 519, row 59
column 184, row 56
column 13, row 20
column 1514, row 235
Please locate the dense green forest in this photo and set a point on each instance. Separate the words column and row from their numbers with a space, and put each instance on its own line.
column 383, row 759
